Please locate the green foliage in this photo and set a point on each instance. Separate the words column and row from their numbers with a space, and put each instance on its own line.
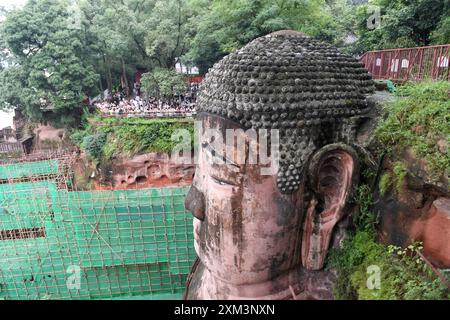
column 403, row 24
column 395, row 178
column 46, row 69
column 130, row 136
column 93, row 145
column 419, row 118
column 225, row 26
column 442, row 34
column 163, row 83
column 385, row 182
column 169, row 30
column 400, row 173
column 365, row 219
column 403, row 275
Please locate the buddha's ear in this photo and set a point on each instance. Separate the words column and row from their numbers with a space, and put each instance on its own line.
column 332, row 173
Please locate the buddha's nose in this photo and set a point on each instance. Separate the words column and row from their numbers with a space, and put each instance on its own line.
column 195, row 203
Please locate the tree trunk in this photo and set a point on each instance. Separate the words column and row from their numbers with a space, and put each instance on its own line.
column 125, row 79
column 108, row 76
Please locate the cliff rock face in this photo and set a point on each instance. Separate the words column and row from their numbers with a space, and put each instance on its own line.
column 434, row 230
column 420, row 211
column 48, row 137
column 144, row 171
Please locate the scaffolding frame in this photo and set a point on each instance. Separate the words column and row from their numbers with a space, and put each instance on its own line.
column 57, row 243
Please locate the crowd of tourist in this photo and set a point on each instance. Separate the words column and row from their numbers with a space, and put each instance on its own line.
column 139, row 106
column 120, row 105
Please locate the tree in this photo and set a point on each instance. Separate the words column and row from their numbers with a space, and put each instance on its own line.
column 118, row 30
column 403, row 24
column 163, row 83
column 224, row 26
column 169, row 32
column 136, row 34
column 47, row 69
column 441, row 35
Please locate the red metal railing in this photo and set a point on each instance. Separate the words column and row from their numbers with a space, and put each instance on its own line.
column 409, row 63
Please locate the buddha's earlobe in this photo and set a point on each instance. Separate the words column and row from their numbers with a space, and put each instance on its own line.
column 332, row 173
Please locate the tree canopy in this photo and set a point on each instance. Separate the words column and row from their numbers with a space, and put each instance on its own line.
column 404, row 23
column 163, row 83
column 47, row 67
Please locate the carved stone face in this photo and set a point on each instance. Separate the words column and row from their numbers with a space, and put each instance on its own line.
column 247, row 232
column 256, row 235
column 245, row 229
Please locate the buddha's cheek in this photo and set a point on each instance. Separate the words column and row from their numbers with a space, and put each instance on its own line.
column 249, row 235
column 213, row 236
column 271, row 228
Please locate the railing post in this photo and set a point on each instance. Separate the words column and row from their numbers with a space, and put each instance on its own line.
column 409, row 65
column 420, row 76
column 433, row 64
column 381, row 65
column 438, row 65
column 374, row 63
column 388, row 73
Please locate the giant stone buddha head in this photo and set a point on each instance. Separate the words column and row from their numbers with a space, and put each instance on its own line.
column 260, row 235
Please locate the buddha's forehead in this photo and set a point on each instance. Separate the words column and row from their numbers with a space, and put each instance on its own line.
column 226, row 137
column 286, row 81
column 211, row 121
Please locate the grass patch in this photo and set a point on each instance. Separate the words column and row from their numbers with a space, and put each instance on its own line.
column 400, row 173
column 419, row 118
column 402, row 275
column 106, row 138
column 385, row 183
column 365, row 219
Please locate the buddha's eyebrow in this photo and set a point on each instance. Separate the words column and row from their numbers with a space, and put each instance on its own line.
column 215, row 154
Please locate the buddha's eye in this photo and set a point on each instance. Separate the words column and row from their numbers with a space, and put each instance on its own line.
column 221, row 181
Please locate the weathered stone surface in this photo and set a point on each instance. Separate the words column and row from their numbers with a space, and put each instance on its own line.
column 434, row 230
column 48, row 137
column 148, row 170
column 311, row 92
column 421, row 177
column 265, row 236
column 420, row 211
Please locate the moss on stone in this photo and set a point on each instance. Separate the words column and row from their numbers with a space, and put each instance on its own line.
column 385, row 183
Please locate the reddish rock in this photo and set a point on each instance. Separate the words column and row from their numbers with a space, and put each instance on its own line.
column 148, row 170
column 419, row 212
column 418, row 129
column 434, row 230
column 442, row 146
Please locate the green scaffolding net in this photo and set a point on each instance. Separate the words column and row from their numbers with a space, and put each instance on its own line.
column 61, row 244
column 26, row 169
